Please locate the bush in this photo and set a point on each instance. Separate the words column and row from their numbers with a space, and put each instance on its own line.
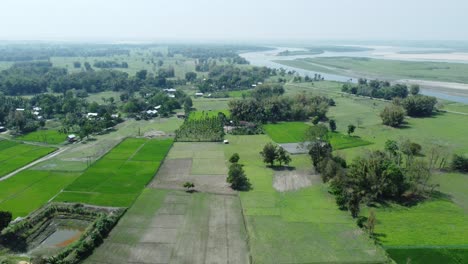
column 419, row 105
column 460, row 163
column 393, row 115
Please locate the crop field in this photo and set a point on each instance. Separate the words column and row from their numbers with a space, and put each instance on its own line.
column 393, row 69
column 78, row 156
column 294, row 132
column 205, row 104
column 165, row 226
column 201, row 163
column 301, row 226
column 429, row 255
column 239, row 94
column 44, row 136
column 15, row 155
column 30, row 189
column 197, row 115
column 118, row 177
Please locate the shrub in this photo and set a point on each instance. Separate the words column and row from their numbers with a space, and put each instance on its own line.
column 459, row 163
column 393, row 115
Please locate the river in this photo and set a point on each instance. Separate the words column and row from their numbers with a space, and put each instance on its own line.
column 266, row 58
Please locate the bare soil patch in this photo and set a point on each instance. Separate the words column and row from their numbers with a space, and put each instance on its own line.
column 290, row 180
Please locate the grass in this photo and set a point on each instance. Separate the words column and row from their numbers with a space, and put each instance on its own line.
column 390, row 69
column 44, row 136
column 239, row 94
column 30, row 189
column 77, row 157
column 295, row 227
column 118, row 177
column 197, row 115
column 15, row 155
column 429, row 255
column 206, row 104
column 294, row 132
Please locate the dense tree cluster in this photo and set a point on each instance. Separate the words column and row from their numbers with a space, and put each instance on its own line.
column 110, row 64
column 272, row 153
column 460, row 163
column 268, row 106
column 376, row 177
column 236, row 175
column 29, row 78
column 393, row 115
column 376, row 89
column 206, row 52
column 419, row 105
column 230, row 77
column 30, row 52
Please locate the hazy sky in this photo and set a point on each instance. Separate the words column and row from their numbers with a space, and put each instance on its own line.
column 245, row 20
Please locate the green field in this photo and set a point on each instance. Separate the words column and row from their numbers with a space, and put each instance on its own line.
column 381, row 68
column 299, row 226
column 78, row 156
column 15, row 155
column 44, row 136
column 118, row 177
column 30, row 189
column 294, row 132
column 429, row 255
column 195, row 115
column 239, row 94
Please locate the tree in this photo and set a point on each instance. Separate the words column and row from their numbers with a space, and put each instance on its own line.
column 393, row 115
column 351, row 129
column 318, row 151
column 317, row 132
column 419, row 105
column 142, row 74
column 269, row 153
column 189, row 186
column 188, row 105
column 459, row 163
column 5, row 219
column 414, row 89
column 234, row 158
column 237, row 178
column 190, row 76
column 283, row 156
column 332, row 125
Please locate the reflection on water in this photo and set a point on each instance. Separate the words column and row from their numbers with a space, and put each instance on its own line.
column 62, row 237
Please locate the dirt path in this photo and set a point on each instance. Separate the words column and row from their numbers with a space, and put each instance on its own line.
column 49, row 156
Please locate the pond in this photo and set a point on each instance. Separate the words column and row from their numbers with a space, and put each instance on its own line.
column 62, row 237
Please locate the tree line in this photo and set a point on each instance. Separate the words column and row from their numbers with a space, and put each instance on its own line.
column 268, row 104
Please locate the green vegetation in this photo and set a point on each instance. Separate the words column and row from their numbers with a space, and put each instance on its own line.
column 44, row 136
column 390, row 69
column 299, row 226
column 428, row 255
column 207, row 128
column 118, row 177
column 15, row 155
column 292, row 132
column 197, row 115
column 30, row 189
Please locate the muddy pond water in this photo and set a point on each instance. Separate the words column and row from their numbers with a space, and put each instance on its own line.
column 62, row 237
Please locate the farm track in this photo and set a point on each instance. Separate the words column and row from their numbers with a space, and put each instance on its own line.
column 47, row 157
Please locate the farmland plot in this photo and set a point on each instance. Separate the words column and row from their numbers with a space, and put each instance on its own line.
column 118, row 178
column 15, row 155
column 166, row 226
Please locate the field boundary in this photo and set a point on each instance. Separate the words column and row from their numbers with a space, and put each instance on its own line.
column 50, row 155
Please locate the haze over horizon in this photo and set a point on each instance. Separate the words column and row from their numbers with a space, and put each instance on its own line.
column 242, row 20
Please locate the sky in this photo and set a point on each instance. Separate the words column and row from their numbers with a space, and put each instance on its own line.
column 241, row 20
